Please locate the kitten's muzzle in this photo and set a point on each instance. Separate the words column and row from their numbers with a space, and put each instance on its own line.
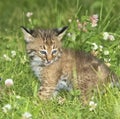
column 49, row 58
column 48, row 61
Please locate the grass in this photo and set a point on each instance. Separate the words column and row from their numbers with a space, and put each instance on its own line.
column 22, row 96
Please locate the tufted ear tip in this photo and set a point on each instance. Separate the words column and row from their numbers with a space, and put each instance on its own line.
column 65, row 27
column 60, row 32
column 24, row 30
column 27, row 34
column 22, row 27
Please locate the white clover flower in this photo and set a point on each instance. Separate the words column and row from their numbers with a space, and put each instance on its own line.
column 6, row 108
column 18, row 97
column 101, row 47
column 29, row 14
column 105, row 35
column 6, row 57
column 27, row 115
column 77, row 21
column 69, row 34
column 111, row 37
column 13, row 53
column 69, row 20
column 92, row 105
column 9, row 82
column 95, row 46
column 106, row 52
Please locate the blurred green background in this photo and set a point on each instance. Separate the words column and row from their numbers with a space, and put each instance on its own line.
column 47, row 12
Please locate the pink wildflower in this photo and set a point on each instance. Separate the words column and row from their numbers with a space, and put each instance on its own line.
column 94, row 20
column 82, row 26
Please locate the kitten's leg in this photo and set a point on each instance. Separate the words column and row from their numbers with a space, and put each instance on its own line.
column 49, row 82
column 45, row 92
column 63, row 84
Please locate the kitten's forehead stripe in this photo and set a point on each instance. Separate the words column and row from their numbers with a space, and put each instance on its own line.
column 44, row 34
column 47, row 36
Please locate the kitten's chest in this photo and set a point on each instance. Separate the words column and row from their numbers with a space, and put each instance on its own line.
column 51, row 74
column 51, row 71
column 36, row 65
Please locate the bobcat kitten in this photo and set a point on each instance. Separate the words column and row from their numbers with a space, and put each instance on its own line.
column 59, row 68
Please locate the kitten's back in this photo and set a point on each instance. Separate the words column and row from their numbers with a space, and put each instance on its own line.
column 86, row 71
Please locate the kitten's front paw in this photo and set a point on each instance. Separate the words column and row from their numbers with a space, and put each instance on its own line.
column 46, row 93
column 42, row 96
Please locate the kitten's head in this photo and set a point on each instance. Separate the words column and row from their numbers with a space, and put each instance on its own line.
column 45, row 44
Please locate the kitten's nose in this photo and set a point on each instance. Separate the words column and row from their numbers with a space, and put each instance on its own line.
column 48, row 61
column 49, row 58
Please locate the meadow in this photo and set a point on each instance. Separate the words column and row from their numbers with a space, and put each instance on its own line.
column 94, row 26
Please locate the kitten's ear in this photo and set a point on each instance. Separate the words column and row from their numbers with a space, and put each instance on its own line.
column 60, row 32
column 27, row 34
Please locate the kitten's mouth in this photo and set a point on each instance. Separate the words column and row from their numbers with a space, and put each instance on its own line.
column 48, row 63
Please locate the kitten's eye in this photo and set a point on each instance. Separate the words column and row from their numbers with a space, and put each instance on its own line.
column 54, row 51
column 43, row 52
